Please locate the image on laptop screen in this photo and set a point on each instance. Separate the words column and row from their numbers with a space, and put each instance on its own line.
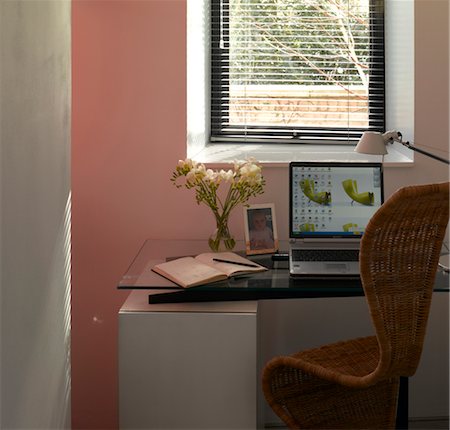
column 333, row 199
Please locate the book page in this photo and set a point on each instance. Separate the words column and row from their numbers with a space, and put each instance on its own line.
column 228, row 268
column 188, row 272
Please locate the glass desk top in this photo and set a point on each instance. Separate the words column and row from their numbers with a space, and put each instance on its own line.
column 276, row 283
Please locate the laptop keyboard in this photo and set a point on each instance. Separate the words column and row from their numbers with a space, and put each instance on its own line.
column 325, row 254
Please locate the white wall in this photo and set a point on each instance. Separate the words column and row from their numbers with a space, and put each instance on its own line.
column 35, row 208
column 431, row 87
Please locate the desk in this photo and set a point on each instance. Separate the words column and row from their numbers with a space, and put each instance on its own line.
column 273, row 284
column 197, row 365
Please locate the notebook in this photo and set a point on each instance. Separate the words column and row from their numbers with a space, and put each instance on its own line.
column 330, row 205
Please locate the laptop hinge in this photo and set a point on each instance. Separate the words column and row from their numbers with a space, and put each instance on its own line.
column 327, row 240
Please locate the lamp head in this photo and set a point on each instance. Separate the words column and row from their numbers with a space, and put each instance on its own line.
column 372, row 142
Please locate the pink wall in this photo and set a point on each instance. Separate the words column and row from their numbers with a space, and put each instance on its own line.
column 128, row 131
column 128, row 126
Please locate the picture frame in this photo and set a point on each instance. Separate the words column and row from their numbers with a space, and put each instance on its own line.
column 261, row 236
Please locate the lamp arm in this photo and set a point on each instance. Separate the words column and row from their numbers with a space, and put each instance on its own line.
column 395, row 136
column 370, row 144
column 412, row 147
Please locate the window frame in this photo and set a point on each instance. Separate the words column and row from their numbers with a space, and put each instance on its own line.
column 289, row 134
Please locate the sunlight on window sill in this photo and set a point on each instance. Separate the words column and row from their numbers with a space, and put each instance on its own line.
column 282, row 155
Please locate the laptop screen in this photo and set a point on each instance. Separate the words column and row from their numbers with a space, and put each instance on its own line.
column 333, row 199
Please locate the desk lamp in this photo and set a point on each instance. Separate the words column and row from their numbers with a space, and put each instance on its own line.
column 373, row 142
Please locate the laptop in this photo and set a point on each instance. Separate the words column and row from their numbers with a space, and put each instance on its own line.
column 330, row 205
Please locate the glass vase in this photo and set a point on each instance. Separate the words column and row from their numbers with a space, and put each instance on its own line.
column 221, row 240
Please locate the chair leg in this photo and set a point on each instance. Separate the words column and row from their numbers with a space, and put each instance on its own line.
column 402, row 406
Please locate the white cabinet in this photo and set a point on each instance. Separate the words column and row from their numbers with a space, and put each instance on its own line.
column 190, row 365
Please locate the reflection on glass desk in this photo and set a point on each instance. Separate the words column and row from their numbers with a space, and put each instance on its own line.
column 276, row 283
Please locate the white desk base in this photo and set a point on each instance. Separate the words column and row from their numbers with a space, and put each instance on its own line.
column 191, row 365
column 197, row 365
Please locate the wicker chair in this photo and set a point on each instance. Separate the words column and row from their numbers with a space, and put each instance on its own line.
column 355, row 383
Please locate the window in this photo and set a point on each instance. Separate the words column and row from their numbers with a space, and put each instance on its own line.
column 296, row 71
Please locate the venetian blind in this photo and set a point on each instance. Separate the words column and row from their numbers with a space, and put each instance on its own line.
column 296, row 71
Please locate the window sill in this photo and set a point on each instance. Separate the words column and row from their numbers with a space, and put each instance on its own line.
column 282, row 155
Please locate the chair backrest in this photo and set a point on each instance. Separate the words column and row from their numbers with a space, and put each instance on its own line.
column 399, row 258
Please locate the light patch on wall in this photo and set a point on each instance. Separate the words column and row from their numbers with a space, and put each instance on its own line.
column 197, row 75
column 58, row 387
column 67, row 256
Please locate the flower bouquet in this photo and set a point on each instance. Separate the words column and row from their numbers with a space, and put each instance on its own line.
column 243, row 181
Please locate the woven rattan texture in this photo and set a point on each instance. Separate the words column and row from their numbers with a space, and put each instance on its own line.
column 354, row 384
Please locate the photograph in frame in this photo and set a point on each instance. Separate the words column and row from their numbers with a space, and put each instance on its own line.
column 261, row 235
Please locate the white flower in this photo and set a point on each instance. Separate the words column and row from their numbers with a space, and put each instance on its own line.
column 250, row 173
column 238, row 164
column 200, row 170
column 190, row 177
column 191, row 163
column 211, row 176
column 185, row 166
column 226, row 176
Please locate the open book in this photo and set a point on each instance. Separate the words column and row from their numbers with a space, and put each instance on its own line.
column 202, row 269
